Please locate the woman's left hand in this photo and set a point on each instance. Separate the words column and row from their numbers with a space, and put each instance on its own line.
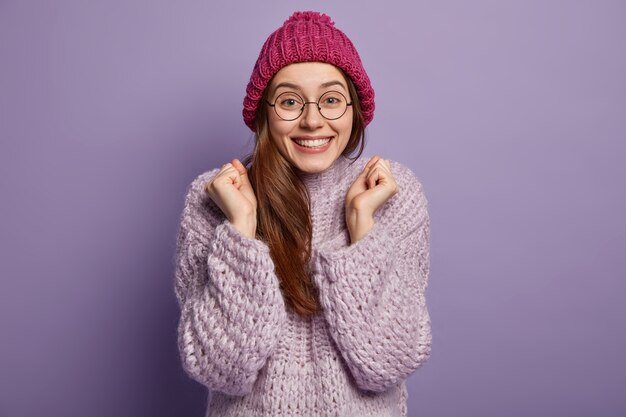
column 372, row 188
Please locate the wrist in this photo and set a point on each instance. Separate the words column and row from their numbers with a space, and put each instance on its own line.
column 359, row 224
column 246, row 227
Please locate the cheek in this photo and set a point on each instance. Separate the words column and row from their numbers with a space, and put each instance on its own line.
column 345, row 127
column 273, row 132
column 349, row 118
column 277, row 129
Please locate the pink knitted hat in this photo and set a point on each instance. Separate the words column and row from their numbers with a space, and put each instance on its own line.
column 306, row 37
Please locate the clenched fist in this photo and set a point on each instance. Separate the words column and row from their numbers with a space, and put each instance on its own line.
column 372, row 188
column 231, row 190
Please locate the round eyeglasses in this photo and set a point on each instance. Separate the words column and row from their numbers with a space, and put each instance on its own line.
column 289, row 105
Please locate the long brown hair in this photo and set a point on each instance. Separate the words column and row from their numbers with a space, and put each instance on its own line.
column 283, row 207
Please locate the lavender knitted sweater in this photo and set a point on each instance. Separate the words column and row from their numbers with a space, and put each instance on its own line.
column 257, row 358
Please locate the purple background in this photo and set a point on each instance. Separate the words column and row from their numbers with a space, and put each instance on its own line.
column 512, row 113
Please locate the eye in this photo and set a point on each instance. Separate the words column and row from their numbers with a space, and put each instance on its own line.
column 288, row 102
column 332, row 99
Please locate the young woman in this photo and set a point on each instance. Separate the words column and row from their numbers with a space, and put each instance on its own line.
column 301, row 273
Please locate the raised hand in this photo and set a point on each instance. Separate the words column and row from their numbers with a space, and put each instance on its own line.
column 371, row 189
column 231, row 190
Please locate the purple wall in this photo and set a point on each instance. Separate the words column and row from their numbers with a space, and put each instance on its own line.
column 511, row 113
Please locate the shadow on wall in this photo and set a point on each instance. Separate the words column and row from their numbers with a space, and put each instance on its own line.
column 172, row 392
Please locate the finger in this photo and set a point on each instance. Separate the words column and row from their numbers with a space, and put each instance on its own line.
column 224, row 170
column 243, row 172
column 384, row 165
column 246, row 187
column 373, row 160
column 209, row 186
column 375, row 176
column 367, row 167
column 236, row 163
column 229, row 174
column 381, row 161
column 388, row 177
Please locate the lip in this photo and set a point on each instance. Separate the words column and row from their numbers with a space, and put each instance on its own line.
column 311, row 137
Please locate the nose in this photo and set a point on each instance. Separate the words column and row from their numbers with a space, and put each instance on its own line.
column 311, row 117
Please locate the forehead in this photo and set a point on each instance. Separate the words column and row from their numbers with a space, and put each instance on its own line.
column 308, row 75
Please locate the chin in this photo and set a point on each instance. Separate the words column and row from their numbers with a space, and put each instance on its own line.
column 313, row 167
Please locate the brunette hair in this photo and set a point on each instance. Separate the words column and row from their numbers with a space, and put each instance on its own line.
column 283, row 207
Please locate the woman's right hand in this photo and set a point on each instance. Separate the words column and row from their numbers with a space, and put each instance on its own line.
column 231, row 190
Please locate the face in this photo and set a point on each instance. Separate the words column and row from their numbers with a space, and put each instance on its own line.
column 311, row 142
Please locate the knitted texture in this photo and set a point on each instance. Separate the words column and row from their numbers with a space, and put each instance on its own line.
column 258, row 358
column 307, row 37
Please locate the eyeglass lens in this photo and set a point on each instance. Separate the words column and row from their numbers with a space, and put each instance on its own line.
column 289, row 105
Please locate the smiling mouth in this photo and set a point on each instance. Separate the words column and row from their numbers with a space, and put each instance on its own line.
column 312, row 143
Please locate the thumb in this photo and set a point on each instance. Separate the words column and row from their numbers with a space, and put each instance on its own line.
column 241, row 169
column 362, row 177
column 366, row 169
column 246, row 187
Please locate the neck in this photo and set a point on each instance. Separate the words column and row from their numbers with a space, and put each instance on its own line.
column 327, row 179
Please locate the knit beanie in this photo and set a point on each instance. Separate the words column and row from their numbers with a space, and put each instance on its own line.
column 307, row 37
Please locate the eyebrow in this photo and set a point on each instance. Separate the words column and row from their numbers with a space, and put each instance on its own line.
column 324, row 85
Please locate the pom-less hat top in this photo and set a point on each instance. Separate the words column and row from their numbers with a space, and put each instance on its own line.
column 307, row 37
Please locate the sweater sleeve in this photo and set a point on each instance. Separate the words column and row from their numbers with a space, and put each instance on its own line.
column 232, row 309
column 373, row 291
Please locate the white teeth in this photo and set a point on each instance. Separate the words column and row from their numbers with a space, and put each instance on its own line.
column 312, row 143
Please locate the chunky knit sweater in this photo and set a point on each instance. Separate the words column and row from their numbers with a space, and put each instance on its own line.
column 258, row 358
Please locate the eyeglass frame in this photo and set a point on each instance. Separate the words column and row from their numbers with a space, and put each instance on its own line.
column 304, row 103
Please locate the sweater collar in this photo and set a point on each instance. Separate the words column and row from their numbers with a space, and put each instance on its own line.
column 329, row 178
